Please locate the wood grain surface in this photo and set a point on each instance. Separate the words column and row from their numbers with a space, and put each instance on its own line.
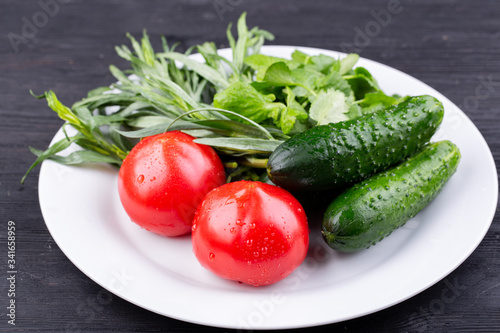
column 451, row 45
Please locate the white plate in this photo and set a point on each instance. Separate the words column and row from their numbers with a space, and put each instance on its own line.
column 83, row 213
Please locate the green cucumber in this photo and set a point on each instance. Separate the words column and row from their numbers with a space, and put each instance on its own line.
column 370, row 210
column 341, row 154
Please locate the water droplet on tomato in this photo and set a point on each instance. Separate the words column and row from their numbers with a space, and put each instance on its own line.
column 193, row 228
column 249, row 242
column 288, row 237
column 230, row 201
column 211, row 256
column 251, row 225
column 299, row 210
column 140, row 179
column 256, row 254
column 240, row 223
column 264, row 250
column 232, row 230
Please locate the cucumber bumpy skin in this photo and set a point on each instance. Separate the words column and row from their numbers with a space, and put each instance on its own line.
column 369, row 211
column 341, row 154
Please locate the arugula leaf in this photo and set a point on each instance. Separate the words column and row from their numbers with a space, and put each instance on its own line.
column 261, row 61
column 291, row 118
column 361, row 71
column 355, row 111
column 378, row 97
column 301, row 57
column 347, row 63
column 322, row 62
column 242, row 98
column 377, row 101
column 333, row 80
column 278, row 74
column 362, row 82
column 308, row 78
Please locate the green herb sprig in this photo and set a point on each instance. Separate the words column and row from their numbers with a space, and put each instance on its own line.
column 244, row 107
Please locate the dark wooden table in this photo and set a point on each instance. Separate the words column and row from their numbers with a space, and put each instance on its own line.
column 67, row 46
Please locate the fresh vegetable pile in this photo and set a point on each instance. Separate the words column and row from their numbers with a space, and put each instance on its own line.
column 216, row 148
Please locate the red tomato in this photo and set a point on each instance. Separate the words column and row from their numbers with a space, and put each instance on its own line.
column 163, row 180
column 251, row 232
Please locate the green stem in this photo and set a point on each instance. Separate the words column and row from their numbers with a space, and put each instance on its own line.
column 254, row 162
column 236, row 173
column 230, row 165
column 306, row 88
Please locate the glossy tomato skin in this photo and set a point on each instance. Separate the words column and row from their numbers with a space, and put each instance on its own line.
column 164, row 178
column 250, row 232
